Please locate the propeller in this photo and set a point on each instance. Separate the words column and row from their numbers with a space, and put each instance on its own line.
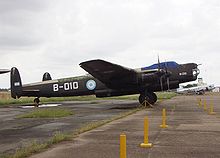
column 166, row 75
column 161, row 77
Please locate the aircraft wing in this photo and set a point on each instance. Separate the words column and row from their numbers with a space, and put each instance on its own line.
column 113, row 75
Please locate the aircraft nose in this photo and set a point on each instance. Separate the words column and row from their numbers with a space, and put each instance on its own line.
column 196, row 70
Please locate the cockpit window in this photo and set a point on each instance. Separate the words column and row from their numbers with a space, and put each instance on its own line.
column 163, row 65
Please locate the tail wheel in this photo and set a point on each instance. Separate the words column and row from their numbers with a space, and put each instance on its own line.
column 37, row 101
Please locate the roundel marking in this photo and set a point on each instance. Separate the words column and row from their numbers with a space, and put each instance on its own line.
column 90, row 84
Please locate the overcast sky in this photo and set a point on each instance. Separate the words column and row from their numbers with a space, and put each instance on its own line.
column 55, row 36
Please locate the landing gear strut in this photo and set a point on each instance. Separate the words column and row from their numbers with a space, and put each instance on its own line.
column 147, row 98
column 37, row 101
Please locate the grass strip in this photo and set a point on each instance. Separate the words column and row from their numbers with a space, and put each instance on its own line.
column 25, row 100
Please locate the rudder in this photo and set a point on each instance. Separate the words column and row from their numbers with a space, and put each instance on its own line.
column 16, row 84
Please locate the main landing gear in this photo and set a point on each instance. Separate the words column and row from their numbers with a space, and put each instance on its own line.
column 147, row 98
column 37, row 101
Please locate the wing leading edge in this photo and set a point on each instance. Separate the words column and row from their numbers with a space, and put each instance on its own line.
column 113, row 75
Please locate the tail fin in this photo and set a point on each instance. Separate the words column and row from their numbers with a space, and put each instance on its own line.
column 16, row 85
column 46, row 76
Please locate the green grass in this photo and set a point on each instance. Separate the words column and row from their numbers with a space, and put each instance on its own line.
column 25, row 100
column 58, row 137
column 165, row 95
column 34, row 147
column 47, row 113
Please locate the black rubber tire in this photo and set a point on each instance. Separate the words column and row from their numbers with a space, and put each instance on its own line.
column 141, row 99
column 37, row 101
column 154, row 97
column 149, row 97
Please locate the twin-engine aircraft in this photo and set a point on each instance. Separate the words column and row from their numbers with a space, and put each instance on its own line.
column 106, row 79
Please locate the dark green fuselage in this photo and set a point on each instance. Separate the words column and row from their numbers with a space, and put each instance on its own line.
column 77, row 86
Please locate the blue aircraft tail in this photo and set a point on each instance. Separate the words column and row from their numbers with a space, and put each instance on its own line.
column 16, row 84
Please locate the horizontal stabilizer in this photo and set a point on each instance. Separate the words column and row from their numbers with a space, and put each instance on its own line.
column 2, row 71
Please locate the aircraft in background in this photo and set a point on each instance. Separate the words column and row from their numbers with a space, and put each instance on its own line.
column 2, row 71
column 106, row 79
column 200, row 90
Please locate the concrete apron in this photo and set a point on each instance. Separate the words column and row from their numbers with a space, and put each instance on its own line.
column 191, row 132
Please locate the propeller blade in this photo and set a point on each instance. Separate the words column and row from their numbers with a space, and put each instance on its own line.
column 166, row 67
column 161, row 83
column 158, row 61
column 168, row 83
column 167, row 74
column 159, row 70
